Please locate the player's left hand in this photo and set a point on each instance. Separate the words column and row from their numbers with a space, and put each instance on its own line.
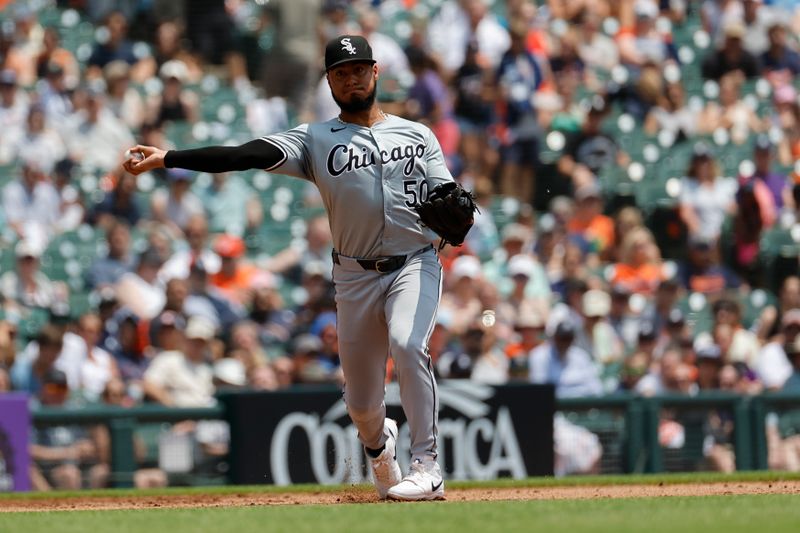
column 449, row 211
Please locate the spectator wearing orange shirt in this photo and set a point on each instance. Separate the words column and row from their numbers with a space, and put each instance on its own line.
column 234, row 277
column 702, row 270
column 639, row 269
column 14, row 57
column 589, row 222
column 53, row 53
column 529, row 328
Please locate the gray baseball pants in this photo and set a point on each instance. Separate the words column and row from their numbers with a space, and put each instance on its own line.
column 382, row 314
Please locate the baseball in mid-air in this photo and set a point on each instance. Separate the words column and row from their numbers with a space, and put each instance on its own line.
column 138, row 156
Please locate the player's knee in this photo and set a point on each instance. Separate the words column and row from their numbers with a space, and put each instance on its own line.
column 407, row 348
column 364, row 411
column 410, row 361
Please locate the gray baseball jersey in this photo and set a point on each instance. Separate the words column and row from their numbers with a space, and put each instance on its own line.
column 368, row 178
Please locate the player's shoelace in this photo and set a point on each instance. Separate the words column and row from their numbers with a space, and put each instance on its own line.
column 416, row 474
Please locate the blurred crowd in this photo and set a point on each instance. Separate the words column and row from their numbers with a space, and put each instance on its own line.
column 559, row 281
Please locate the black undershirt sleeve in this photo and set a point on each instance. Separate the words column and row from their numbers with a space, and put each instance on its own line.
column 257, row 154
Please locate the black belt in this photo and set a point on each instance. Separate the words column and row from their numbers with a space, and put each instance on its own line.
column 384, row 265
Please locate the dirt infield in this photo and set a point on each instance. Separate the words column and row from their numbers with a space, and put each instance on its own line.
column 367, row 495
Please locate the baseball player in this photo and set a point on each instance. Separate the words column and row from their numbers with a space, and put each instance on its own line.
column 371, row 169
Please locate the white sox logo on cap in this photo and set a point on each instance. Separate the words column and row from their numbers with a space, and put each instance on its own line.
column 348, row 46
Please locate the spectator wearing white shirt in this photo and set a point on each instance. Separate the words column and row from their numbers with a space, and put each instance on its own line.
column 99, row 138
column 13, row 102
column 597, row 336
column 184, row 377
column 174, row 207
column 71, row 211
column 123, row 100
column 773, row 366
column 705, row 198
column 671, row 113
column 570, row 368
column 140, row 291
column 755, row 18
column 515, row 239
column 594, row 47
column 179, row 264
column 97, row 367
column 34, row 138
column 26, row 286
column 514, row 261
column 456, row 23
column 54, row 97
column 31, row 204
column 385, row 50
column 529, row 283
column 716, row 13
column 462, row 297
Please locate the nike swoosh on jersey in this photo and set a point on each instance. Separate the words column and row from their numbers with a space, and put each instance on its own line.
column 334, row 130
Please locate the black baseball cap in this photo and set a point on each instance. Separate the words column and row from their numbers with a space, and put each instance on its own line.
column 565, row 330
column 647, row 331
column 346, row 49
column 55, row 377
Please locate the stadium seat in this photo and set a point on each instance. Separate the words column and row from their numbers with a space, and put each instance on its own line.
column 697, row 310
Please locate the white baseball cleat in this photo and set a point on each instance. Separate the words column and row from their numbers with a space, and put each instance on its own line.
column 385, row 470
column 423, row 482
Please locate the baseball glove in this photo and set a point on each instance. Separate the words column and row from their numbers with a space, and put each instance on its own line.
column 449, row 211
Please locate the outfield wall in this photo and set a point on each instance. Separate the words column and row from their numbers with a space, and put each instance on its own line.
column 304, row 435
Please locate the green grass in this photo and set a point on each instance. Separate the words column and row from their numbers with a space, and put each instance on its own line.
column 629, row 479
column 709, row 514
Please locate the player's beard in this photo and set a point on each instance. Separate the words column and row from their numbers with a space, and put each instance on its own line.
column 356, row 103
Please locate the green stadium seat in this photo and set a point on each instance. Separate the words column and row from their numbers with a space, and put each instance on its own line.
column 148, row 434
column 32, row 322
column 79, row 304
column 754, row 303
column 504, row 210
column 697, row 310
column 778, row 241
column 7, row 258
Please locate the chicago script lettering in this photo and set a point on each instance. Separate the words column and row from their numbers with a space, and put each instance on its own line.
column 343, row 158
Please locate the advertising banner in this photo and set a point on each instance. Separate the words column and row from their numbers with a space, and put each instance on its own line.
column 303, row 436
column 15, row 423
